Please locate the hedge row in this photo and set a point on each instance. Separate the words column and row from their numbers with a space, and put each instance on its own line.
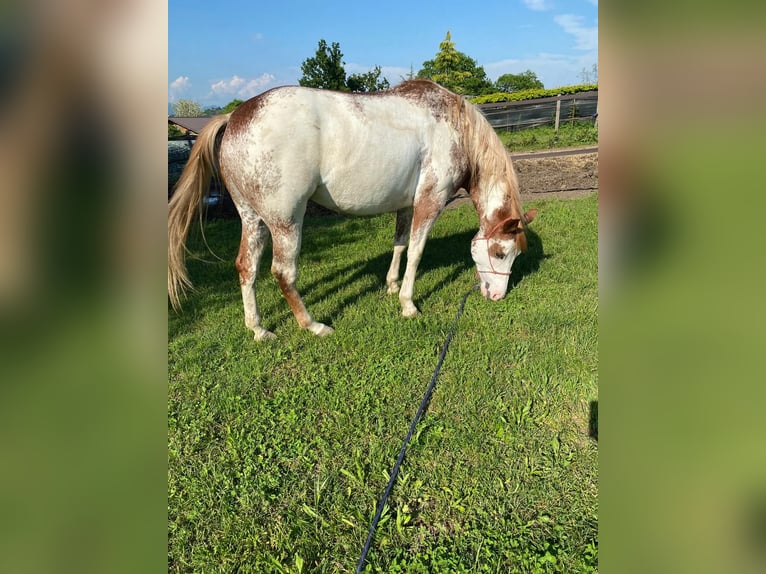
column 532, row 94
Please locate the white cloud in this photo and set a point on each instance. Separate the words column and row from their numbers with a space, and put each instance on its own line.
column 586, row 37
column 180, row 84
column 538, row 5
column 241, row 88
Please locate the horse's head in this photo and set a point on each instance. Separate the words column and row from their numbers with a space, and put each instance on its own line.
column 494, row 248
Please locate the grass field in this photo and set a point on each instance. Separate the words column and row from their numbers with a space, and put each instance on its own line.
column 279, row 451
column 570, row 134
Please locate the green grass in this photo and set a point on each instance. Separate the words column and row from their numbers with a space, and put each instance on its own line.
column 571, row 134
column 279, row 451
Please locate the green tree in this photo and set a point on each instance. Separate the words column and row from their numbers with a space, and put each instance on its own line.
column 527, row 80
column 456, row 71
column 231, row 106
column 187, row 109
column 325, row 69
column 227, row 109
column 368, row 82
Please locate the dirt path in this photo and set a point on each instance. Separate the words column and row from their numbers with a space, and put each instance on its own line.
column 560, row 174
column 564, row 176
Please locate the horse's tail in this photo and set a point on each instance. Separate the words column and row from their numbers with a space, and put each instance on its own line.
column 187, row 198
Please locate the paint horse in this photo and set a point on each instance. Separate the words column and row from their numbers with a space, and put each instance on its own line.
column 406, row 150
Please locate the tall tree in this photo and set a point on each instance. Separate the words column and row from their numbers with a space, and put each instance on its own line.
column 367, row 82
column 325, row 69
column 187, row 109
column 527, row 80
column 456, row 71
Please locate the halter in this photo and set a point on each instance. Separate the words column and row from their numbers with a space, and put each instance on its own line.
column 489, row 257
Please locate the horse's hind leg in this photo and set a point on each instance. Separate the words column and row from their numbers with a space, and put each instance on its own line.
column 255, row 236
column 402, row 234
column 286, row 239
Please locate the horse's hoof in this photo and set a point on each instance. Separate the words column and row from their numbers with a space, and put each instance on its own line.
column 393, row 288
column 261, row 334
column 410, row 312
column 321, row 330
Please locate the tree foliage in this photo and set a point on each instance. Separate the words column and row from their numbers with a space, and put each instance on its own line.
column 527, row 80
column 227, row 109
column 187, row 109
column 367, row 82
column 325, row 69
column 456, row 71
column 232, row 105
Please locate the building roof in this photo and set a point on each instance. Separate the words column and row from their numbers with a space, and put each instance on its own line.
column 193, row 125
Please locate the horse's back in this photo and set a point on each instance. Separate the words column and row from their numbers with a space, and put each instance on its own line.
column 358, row 154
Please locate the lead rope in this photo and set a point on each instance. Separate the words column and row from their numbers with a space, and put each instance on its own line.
column 421, row 409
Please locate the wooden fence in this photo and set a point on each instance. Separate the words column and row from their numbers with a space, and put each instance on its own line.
column 514, row 116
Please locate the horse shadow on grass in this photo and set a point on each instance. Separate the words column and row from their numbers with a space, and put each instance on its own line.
column 450, row 252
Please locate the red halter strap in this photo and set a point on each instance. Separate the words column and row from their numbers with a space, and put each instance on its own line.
column 487, row 238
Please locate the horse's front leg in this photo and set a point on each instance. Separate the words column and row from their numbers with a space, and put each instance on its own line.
column 286, row 242
column 402, row 234
column 424, row 215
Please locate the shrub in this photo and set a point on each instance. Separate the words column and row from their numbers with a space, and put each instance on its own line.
column 532, row 94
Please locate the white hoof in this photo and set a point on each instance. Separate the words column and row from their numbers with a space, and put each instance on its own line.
column 393, row 288
column 320, row 329
column 261, row 334
column 410, row 311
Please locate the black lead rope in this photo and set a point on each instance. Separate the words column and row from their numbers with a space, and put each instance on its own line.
column 421, row 409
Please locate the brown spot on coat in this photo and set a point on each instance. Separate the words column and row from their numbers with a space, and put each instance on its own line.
column 294, row 300
column 243, row 263
column 248, row 112
column 426, row 205
column 441, row 102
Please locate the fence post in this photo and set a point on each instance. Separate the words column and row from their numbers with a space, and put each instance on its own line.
column 558, row 111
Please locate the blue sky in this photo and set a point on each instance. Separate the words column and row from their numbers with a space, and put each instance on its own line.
column 226, row 49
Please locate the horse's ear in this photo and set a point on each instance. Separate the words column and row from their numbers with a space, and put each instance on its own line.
column 511, row 226
column 530, row 215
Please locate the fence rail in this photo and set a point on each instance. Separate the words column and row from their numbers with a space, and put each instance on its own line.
column 530, row 113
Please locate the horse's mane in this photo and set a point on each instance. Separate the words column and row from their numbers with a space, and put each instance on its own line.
column 487, row 156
